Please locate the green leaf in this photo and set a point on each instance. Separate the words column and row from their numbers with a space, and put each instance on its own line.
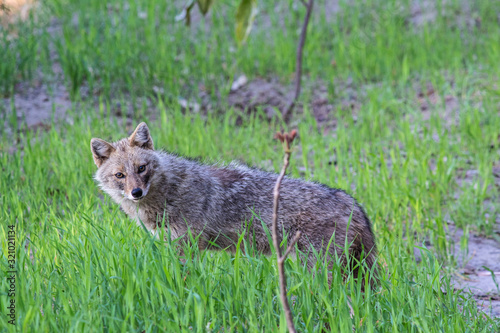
column 244, row 19
column 204, row 5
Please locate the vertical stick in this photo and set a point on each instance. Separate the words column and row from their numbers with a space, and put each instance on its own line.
column 286, row 139
column 298, row 62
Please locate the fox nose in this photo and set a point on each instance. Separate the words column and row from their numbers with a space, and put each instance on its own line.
column 137, row 193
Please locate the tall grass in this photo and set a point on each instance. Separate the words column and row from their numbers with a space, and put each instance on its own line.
column 134, row 46
column 83, row 266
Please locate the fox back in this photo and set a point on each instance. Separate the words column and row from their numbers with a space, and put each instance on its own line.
column 217, row 203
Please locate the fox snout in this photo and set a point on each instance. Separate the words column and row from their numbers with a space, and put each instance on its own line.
column 134, row 191
column 137, row 193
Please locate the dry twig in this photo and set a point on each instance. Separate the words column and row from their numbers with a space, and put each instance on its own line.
column 298, row 63
column 286, row 139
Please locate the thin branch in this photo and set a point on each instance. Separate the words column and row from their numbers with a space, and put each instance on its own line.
column 298, row 62
column 304, row 2
column 286, row 139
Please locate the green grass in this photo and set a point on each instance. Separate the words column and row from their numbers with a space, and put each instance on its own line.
column 133, row 46
column 84, row 266
column 92, row 269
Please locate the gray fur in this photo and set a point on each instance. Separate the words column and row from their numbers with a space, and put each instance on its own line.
column 215, row 201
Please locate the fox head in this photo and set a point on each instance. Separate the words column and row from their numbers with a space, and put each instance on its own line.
column 126, row 167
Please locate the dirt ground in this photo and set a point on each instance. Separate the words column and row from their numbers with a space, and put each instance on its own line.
column 478, row 268
column 472, row 274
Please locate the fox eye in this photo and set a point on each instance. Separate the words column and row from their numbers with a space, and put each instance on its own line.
column 142, row 168
column 119, row 175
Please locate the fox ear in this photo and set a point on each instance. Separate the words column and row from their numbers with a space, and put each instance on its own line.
column 100, row 151
column 141, row 137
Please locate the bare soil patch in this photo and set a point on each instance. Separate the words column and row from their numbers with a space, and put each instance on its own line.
column 479, row 270
column 272, row 97
column 37, row 105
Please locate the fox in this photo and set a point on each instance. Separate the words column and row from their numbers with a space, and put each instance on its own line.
column 217, row 202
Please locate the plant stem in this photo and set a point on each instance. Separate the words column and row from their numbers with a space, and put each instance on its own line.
column 286, row 139
column 298, row 63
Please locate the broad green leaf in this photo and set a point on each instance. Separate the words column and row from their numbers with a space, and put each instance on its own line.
column 204, row 5
column 244, row 19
